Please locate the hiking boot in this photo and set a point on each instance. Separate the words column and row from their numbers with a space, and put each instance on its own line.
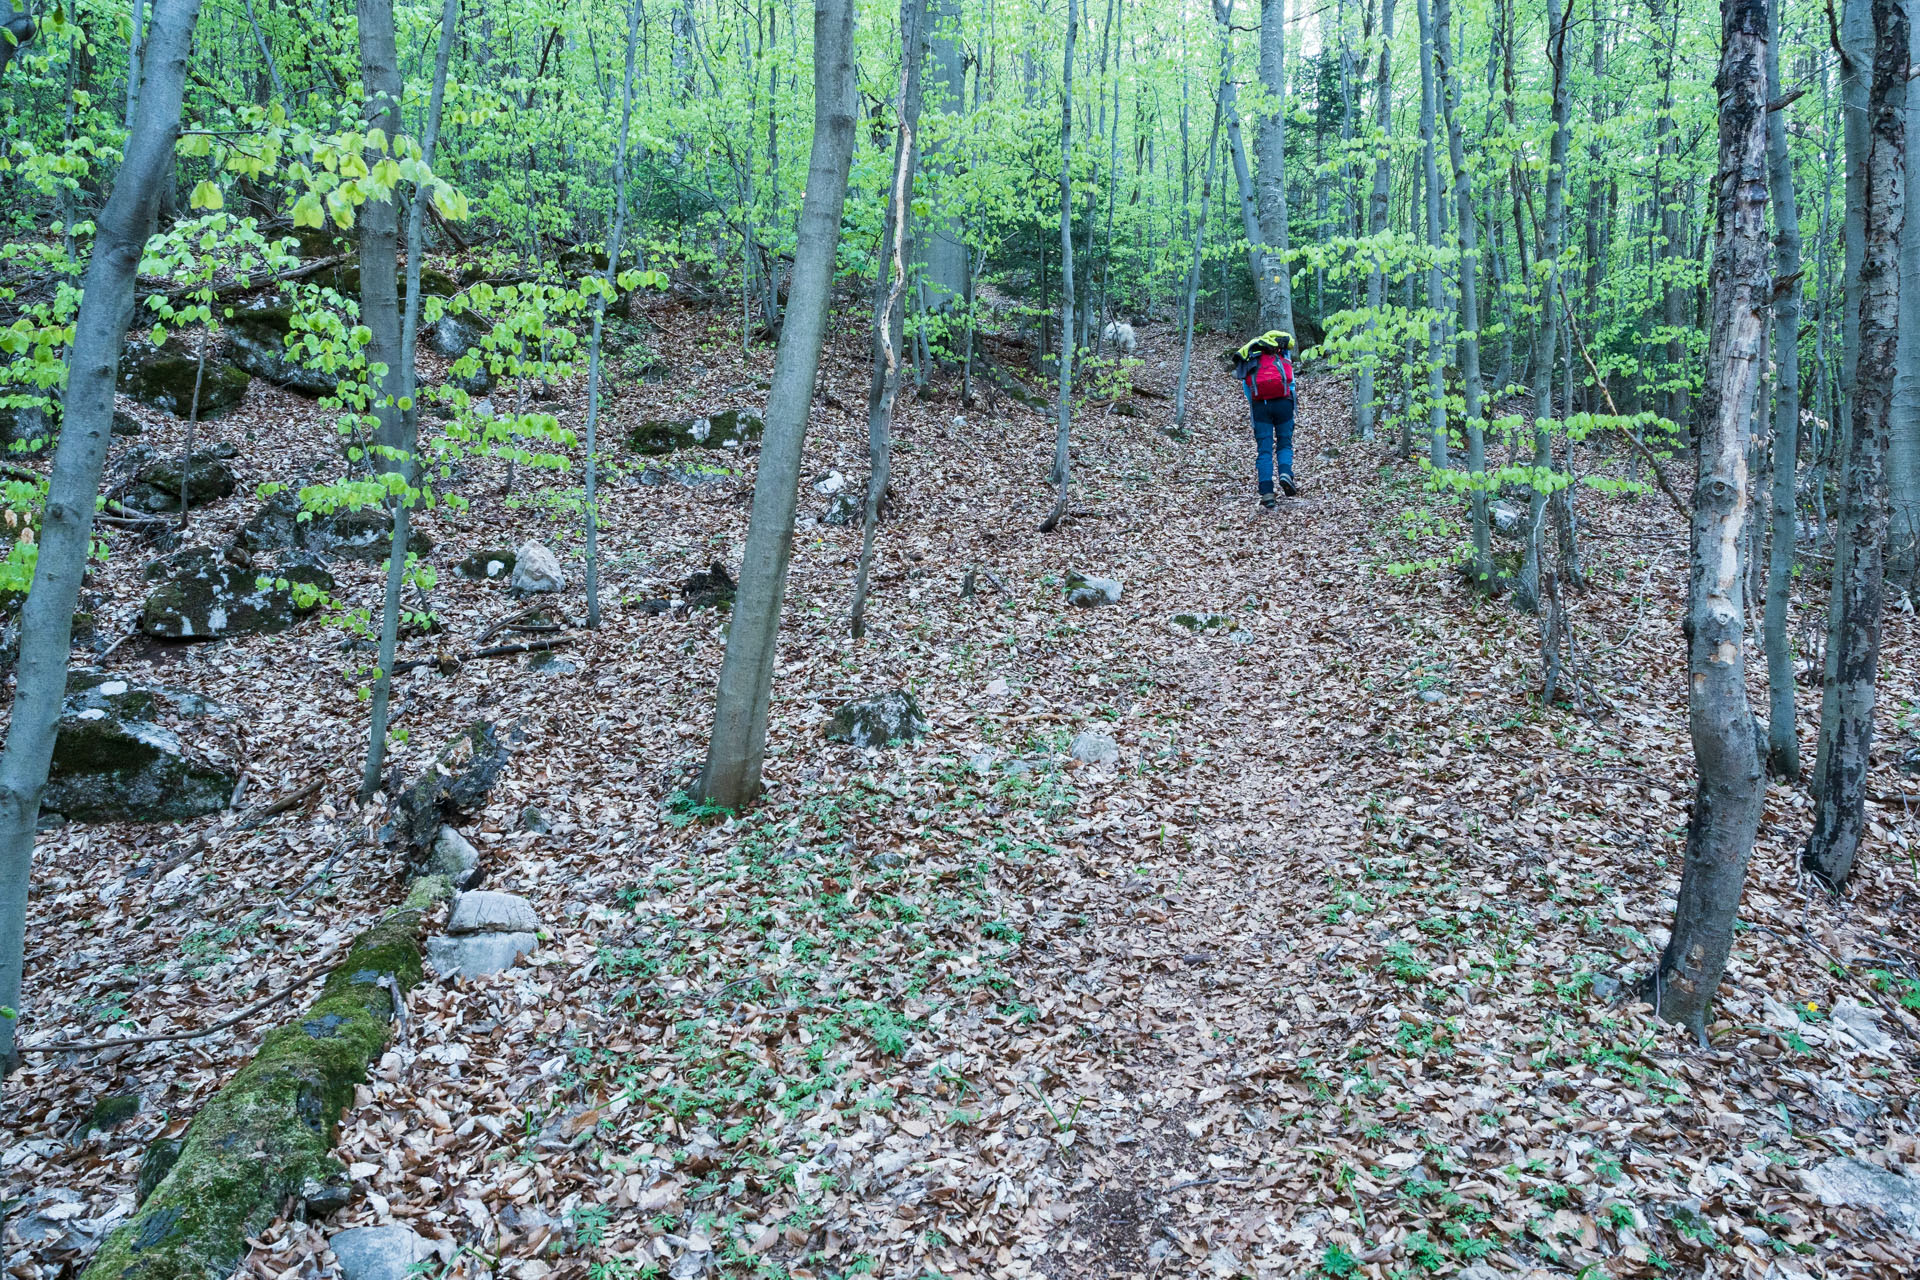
column 1268, row 501
column 1286, row 482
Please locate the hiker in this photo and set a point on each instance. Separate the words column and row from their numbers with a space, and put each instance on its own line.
column 1266, row 374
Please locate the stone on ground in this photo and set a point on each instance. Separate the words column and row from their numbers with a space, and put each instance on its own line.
column 455, row 858
column 1090, row 747
column 379, row 1253
column 728, row 429
column 487, row 566
column 878, row 721
column 114, row 760
column 156, row 486
column 710, row 588
column 536, row 570
column 257, row 343
column 161, row 378
column 206, row 596
column 1859, row 1185
column 1091, row 593
column 490, row 911
column 475, row 955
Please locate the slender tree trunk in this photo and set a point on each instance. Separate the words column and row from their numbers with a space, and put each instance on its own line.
column 945, row 248
column 889, row 300
column 1257, row 267
column 1783, row 741
column 1547, row 336
column 1364, row 410
column 738, row 748
column 66, row 526
column 1903, row 448
column 1180, row 403
column 1062, row 459
column 376, row 34
column 599, row 320
column 1276, row 294
column 1859, row 554
column 1466, row 226
column 1436, row 276
column 1673, row 235
column 380, row 232
column 135, row 42
column 1726, row 803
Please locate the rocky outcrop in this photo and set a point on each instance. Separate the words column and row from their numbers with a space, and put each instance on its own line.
column 156, row 486
column 118, row 756
column 162, row 378
column 257, row 344
column 365, row 535
column 488, row 933
column 729, row 429
column 878, row 721
column 486, row 566
column 710, row 588
column 454, row 785
column 456, row 333
column 207, row 595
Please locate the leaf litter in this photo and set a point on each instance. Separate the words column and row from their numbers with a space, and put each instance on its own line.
column 1330, row 973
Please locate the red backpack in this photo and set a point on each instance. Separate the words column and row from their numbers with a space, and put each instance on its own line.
column 1272, row 377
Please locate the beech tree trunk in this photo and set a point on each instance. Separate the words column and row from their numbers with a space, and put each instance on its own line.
column 1364, row 414
column 379, row 222
column 1063, row 430
column 889, row 300
column 1783, row 742
column 1526, row 589
column 945, row 249
column 1903, row 446
column 1192, row 300
column 66, row 527
column 1730, row 788
column 1859, row 554
column 1436, row 277
column 1469, row 237
column 1276, row 292
column 737, row 750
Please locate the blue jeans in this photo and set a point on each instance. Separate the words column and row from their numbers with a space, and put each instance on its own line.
column 1273, row 426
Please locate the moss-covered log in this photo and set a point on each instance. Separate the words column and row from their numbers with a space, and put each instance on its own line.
column 267, row 1136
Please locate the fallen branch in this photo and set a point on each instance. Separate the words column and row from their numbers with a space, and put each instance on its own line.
column 283, row 804
column 516, row 616
column 82, row 1046
column 529, row 646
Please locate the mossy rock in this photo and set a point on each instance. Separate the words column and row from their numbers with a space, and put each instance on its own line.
column 365, row 535
column 728, row 429
column 257, row 344
column 270, row 1131
column 345, row 280
column 113, row 761
column 157, row 485
column 208, row 597
column 160, row 378
column 34, row 426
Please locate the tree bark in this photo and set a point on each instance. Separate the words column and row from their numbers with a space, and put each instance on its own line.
column 599, row 321
column 945, row 249
column 66, row 528
column 1729, row 791
column 1180, row 400
column 1903, row 448
column 738, row 747
column 1062, row 458
column 1436, row 277
column 1276, row 294
column 889, row 300
column 1364, row 414
column 1859, row 554
column 1466, row 226
column 1783, row 741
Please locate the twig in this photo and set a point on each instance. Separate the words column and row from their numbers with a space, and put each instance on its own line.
column 77, row 1046
column 508, row 621
column 108, row 651
column 283, row 804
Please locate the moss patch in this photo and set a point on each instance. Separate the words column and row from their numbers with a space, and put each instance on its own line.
column 272, row 1126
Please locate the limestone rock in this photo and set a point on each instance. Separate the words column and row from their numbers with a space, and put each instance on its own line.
column 455, row 784
column 536, row 570
column 1508, row 520
column 1859, row 1185
column 878, row 721
column 161, row 378
column 489, row 911
column 1091, row 593
column 457, row 332
column 157, row 485
column 486, row 566
column 455, row 858
column 476, row 955
column 379, row 1253
column 257, row 343
column 728, row 429
column 115, row 759
column 208, row 597
column 1091, row 747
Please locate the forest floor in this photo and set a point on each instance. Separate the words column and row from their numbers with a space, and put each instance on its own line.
column 1331, row 972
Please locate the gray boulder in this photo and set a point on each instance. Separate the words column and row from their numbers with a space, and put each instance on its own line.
column 1090, row 747
column 365, row 535
column 536, row 570
column 115, row 759
column 379, row 1253
column 1859, row 1185
column 728, row 429
column 156, row 486
column 489, row 911
column 455, row 858
column 161, row 378
column 206, row 596
column 1508, row 520
column 257, row 344
column 878, row 721
column 1201, row 622
column 709, row 588
column 456, row 333
column 476, row 955
column 1091, row 593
